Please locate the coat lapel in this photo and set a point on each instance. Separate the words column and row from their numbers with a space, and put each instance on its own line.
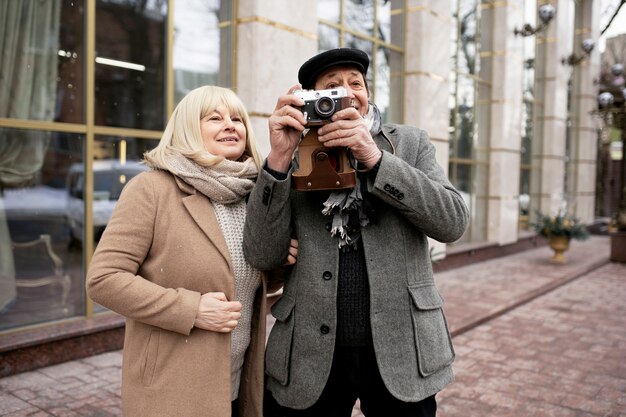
column 202, row 212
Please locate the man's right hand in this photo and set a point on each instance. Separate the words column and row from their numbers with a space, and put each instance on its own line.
column 286, row 125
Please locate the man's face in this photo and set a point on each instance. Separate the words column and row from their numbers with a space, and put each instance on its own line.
column 349, row 78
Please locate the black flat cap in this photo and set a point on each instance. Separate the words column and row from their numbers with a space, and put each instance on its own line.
column 311, row 69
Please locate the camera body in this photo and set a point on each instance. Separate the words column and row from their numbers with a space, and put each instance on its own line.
column 320, row 105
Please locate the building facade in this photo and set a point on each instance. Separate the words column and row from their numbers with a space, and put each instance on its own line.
column 86, row 87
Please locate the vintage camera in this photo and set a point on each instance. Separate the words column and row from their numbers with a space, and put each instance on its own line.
column 320, row 105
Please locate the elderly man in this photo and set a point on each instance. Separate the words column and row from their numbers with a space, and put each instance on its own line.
column 360, row 316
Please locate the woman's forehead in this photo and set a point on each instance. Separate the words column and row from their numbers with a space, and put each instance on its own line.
column 224, row 107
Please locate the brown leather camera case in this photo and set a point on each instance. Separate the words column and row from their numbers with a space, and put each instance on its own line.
column 322, row 168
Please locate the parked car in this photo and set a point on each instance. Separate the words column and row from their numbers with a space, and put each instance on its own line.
column 110, row 177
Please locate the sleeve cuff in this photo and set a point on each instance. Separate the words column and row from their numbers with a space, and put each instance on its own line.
column 280, row 176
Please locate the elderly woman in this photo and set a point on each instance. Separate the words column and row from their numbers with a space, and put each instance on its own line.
column 171, row 262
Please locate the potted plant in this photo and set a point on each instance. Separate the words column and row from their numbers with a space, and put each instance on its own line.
column 560, row 229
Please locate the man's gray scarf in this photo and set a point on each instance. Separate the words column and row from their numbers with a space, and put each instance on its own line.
column 342, row 204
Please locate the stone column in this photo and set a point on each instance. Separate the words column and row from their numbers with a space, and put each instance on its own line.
column 584, row 137
column 427, row 65
column 547, row 184
column 273, row 40
column 502, row 50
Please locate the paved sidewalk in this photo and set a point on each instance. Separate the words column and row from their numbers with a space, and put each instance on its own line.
column 563, row 354
column 519, row 352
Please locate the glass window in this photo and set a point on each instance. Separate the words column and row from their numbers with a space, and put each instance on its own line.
column 358, row 16
column 376, row 27
column 528, row 99
column 117, row 161
column 130, row 63
column 329, row 10
column 201, row 63
column 466, row 26
column 41, row 275
column 42, row 169
column 44, row 79
column 469, row 116
column 390, row 15
column 328, row 38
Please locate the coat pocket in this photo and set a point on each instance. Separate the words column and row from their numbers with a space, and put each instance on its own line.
column 432, row 337
column 278, row 352
column 150, row 358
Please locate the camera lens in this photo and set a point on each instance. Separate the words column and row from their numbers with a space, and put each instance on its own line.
column 325, row 106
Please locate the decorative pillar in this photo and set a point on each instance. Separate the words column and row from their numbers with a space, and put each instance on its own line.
column 427, row 66
column 548, row 153
column 502, row 61
column 584, row 137
column 273, row 40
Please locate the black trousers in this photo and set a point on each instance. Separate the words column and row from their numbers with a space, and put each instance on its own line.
column 354, row 374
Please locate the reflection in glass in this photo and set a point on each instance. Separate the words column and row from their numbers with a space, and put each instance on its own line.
column 358, row 15
column 32, row 53
column 391, row 21
column 469, row 124
column 383, row 14
column 528, row 103
column 371, row 26
column 41, row 276
column 465, row 129
column 463, row 183
column 383, row 81
column 352, row 41
column 396, row 87
column 118, row 160
column 130, row 62
column 328, row 38
column 467, row 23
column 328, row 10
column 200, row 63
column 71, row 57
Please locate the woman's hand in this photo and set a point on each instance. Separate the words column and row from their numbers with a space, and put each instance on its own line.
column 216, row 313
column 349, row 129
column 286, row 125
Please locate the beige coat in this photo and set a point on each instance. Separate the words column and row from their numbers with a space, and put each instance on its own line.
column 161, row 250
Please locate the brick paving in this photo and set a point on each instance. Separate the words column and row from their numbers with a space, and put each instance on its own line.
column 562, row 354
column 533, row 339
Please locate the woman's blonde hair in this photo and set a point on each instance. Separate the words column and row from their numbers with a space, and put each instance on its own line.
column 182, row 134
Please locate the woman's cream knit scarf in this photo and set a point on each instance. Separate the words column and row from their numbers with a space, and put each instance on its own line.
column 226, row 182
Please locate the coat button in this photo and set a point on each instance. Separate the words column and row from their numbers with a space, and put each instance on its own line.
column 327, row 275
column 324, row 329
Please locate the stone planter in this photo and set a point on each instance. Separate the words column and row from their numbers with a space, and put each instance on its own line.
column 559, row 244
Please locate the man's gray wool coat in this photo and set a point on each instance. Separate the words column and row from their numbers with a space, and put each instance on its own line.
column 413, row 200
